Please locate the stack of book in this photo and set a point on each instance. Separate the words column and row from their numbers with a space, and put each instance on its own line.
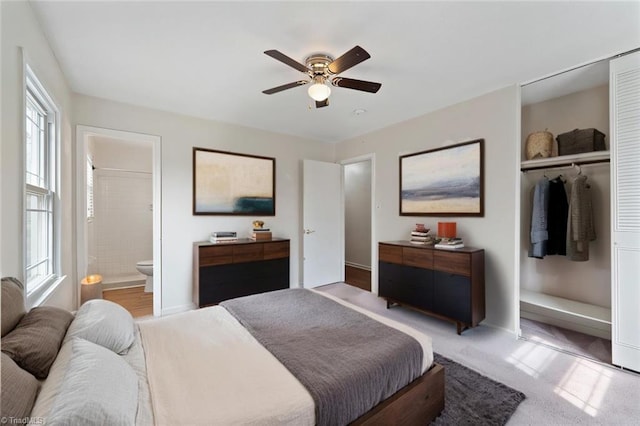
column 261, row 234
column 421, row 237
column 223, row 236
column 450, row 243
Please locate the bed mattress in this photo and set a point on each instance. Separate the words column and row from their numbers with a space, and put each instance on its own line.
column 229, row 376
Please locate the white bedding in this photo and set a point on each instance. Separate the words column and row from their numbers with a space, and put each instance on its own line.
column 135, row 358
column 203, row 367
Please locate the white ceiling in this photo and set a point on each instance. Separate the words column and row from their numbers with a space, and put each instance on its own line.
column 574, row 80
column 205, row 59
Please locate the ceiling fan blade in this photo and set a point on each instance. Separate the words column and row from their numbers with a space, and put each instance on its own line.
column 286, row 60
column 284, row 87
column 320, row 104
column 350, row 83
column 348, row 60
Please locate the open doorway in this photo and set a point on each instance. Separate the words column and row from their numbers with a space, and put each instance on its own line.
column 118, row 217
column 358, row 211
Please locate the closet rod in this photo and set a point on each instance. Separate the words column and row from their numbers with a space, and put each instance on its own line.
column 608, row 58
column 564, row 165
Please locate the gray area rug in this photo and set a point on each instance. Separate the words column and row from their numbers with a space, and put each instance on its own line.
column 473, row 399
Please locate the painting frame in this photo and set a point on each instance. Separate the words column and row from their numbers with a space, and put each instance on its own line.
column 446, row 181
column 233, row 184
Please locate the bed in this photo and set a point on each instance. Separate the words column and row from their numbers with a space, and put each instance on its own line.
column 291, row 357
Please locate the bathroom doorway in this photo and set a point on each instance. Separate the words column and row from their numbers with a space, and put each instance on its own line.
column 119, row 216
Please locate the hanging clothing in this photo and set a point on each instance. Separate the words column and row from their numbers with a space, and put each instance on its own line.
column 539, row 211
column 558, row 212
column 580, row 225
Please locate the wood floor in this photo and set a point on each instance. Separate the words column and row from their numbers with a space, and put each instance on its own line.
column 357, row 277
column 133, row 299
column 139, row 303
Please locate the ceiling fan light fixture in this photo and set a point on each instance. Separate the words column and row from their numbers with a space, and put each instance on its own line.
column 323, row 71
column 319, row 91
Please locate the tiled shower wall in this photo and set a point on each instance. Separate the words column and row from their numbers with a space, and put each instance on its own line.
column 123, row 222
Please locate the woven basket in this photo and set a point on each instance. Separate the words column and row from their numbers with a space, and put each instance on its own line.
column 580, row 140
column 539, row 145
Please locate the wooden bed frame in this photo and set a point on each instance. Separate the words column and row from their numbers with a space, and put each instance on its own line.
column 418, row 403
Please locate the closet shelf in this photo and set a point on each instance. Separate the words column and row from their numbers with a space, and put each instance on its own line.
column 571, row 307
column 566, row 160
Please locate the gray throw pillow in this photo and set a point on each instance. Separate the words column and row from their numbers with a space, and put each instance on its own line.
column 99, row 388
column 104, row 323
column 12, row 304
column 19, row 389
column 35, row 341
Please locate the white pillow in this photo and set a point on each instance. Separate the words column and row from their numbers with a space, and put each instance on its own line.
column 89, row 385
column 51, row 386
column 104, row 323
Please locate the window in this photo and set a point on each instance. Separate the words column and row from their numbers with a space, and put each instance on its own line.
column 41, row 270
column 90, row 213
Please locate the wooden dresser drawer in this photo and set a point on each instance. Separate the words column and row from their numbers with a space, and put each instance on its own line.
column 389, row 253
column 452, row 262
column 277, row 250
column 247, row 252
column 239, row 268
column 448, row 284
column 215, row 255
column 417, row 257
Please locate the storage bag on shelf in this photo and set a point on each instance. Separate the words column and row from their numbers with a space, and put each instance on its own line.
column 579, row 141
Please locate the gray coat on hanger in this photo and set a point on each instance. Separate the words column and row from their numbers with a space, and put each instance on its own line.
column 580, row 226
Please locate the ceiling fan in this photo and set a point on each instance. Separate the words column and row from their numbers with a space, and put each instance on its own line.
column 322, row 70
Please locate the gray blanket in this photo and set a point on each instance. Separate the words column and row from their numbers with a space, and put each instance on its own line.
column 347, row 361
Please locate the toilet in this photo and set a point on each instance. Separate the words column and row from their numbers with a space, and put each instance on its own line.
column 146, row 267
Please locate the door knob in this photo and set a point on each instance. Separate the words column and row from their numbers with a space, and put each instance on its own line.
column 309, row 231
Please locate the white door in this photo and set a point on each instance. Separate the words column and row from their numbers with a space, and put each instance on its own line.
column 625, row 183
column 323, row 224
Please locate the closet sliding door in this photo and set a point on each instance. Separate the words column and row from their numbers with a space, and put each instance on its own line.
column 625, row 214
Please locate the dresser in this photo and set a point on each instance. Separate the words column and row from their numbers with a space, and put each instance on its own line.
column 226, row 270
column 448, row 284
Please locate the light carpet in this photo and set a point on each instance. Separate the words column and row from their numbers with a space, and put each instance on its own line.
column 567, row 340
column 561, row 389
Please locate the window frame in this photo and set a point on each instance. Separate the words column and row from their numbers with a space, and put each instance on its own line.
column 37, row 291
column 90, row 199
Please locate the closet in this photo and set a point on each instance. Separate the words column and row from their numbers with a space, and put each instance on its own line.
column 625, row 252
column 599, row 296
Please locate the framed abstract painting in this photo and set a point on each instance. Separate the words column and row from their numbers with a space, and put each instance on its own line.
column 228, row 183
column 446, row 181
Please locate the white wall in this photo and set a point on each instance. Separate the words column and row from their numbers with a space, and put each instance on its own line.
column 495, row 118
column 123, row 207
column 20, row 29
column 581, row 110
column 120, row 154
column 357, row 206
column 588, row 282
column 180, row 229
column 123, row 223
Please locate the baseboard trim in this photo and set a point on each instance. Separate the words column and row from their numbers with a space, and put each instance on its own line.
column 357, row 265
column 178, row 309
column 120, row 286
column 591, row 328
